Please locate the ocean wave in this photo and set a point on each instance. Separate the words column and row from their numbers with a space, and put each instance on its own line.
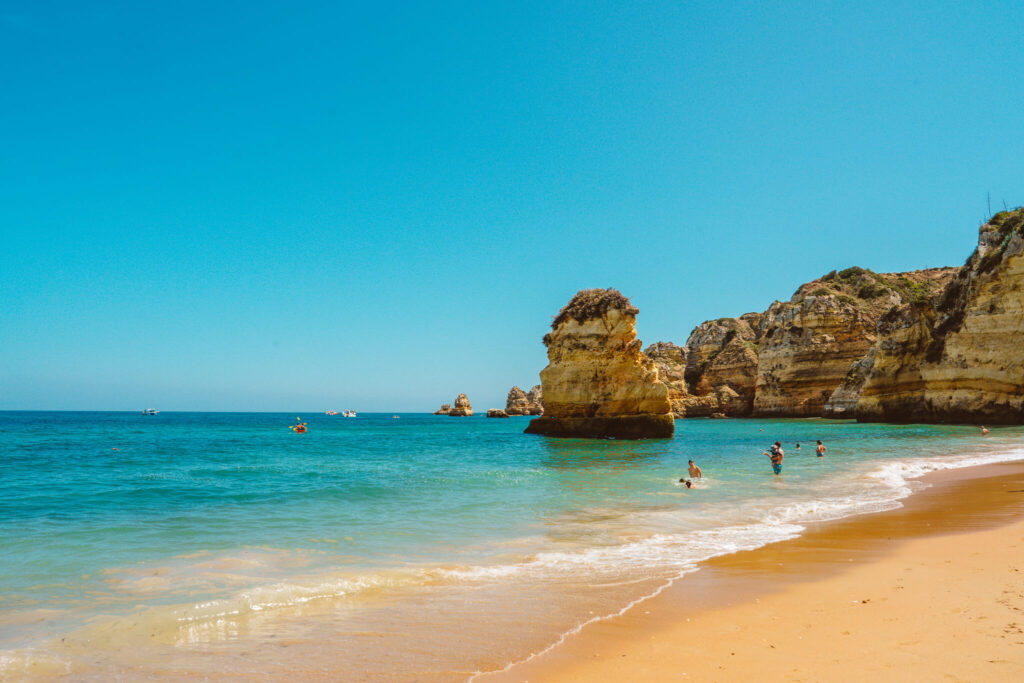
column 875, row 490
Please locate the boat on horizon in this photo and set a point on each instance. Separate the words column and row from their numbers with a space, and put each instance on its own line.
column 348, row 413
column 150, row 411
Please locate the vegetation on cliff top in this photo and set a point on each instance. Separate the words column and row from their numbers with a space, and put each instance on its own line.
column 593, row 303
column 1007, row 223
column 855, row 285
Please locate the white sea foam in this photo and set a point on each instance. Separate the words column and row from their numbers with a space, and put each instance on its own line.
column 876, row 490
column 763, row 522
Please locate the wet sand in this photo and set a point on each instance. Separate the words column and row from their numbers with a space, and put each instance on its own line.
column 932, row 591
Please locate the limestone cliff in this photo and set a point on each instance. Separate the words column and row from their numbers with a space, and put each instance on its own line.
column 597, row 382
column 671, row 363
column 809, row 343
column 496, row 412
column 718, row 364
column 520, row 402
column 445, row 409
column 960, row 359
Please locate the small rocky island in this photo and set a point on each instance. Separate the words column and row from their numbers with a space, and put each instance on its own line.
column 461, row 408
column 598, row 383
column 520, row 402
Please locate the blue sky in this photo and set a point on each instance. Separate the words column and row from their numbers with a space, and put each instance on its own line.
column 253, row 206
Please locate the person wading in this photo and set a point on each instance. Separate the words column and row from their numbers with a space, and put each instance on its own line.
column 776, row 454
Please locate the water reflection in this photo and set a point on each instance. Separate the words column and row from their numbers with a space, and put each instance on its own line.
column 574, row 454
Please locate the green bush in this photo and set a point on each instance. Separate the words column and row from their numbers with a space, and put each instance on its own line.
column 872, row 290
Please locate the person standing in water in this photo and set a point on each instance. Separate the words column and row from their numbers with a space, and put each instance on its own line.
column 776, row 454
column 984, row 431
column 695, row 472
column 820, row 449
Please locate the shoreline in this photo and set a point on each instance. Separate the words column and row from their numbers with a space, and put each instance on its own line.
column 692, row 628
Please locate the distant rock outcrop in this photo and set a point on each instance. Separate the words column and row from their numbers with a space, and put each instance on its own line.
column 520, row 402
column 461, row 407
column 597, row 382
column 536, row 398
column 445, row 409
column 496, row 412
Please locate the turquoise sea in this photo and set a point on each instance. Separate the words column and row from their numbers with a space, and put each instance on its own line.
column 419, row 548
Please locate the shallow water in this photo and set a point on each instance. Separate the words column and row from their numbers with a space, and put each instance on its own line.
column 426, row 547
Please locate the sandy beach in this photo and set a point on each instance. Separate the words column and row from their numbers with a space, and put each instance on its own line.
column 932, row 591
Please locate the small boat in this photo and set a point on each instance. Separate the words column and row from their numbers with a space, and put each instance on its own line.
column 150, row 411
column 394, row 417
column 299, row 428
column 330, row 412
column 348, row 413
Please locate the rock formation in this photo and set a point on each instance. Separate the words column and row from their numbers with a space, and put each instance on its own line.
column 728, row 377
column 445, row 409
column 930, row 345
column 521, row 403
column 671, row 363
column 597, row 382
column 957, row 358
column 843, row 402
column 536, row 398
column 808, row 344
column 461, row 407
column 496, row 412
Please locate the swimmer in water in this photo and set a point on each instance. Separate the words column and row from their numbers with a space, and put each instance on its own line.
column 984, row 430
column 689, row 484
column 820, row 449
column 695, row 471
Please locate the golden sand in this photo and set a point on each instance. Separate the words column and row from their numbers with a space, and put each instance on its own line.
column 933, row 591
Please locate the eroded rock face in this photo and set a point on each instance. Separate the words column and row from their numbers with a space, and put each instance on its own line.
column 520, row 402
column 461, row 407
column 536, row 398
column 597, row 382
column 731, row 376
column 671, row 363
column 496, row 412
column 961, row 359
column 843, row 402
column 445, row 409
column 805, row 353
column 709, row 338
column 721, row 368
column 809, row 344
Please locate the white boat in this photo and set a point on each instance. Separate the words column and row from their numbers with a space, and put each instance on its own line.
column 150, row 411
column 348, row 413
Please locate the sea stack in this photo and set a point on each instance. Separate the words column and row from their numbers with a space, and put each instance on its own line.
column 598, row 383
column 461, row 407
